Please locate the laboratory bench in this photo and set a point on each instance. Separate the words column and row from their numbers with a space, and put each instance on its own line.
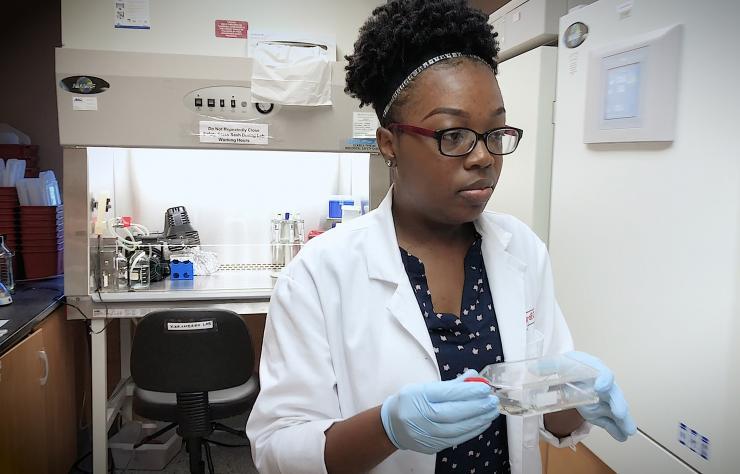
column 113, row 315
column 41, row 371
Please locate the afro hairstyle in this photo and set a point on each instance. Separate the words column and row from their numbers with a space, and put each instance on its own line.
column 402, row 34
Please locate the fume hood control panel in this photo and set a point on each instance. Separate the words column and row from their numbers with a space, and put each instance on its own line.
column 226, row 102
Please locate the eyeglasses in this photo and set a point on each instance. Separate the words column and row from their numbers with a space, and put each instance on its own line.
column 460, row 141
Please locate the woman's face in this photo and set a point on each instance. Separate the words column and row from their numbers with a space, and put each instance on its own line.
column 443, row 189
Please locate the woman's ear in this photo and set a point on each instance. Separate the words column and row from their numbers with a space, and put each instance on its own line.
column 384, row 138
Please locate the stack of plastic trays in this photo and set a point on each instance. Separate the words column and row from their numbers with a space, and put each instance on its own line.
column 9, row 224
column 42, row 240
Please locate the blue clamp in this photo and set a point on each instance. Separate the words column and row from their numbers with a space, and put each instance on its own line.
column 181, row 270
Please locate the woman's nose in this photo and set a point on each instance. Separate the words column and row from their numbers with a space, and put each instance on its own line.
column 479, row 156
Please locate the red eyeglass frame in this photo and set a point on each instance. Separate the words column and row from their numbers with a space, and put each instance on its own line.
column 437, row 134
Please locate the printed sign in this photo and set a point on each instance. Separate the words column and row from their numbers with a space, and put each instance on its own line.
column 364, row 145
column 364, row 124
column 84, row 103
column 122, row 312
column 231, row 29
column 194, row 326
column 233, row 132
column 131, row 14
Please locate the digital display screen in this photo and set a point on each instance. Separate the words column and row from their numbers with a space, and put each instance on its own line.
column 622, row 92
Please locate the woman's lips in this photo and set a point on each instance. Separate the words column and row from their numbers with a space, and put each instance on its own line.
column 477, row 196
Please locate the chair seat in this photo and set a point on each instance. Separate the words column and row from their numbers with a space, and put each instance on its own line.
column 223, row 403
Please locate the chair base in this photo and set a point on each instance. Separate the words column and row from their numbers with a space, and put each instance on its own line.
column 196, row 445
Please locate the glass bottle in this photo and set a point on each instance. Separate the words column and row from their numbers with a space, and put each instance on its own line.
column 6, row 266
column 121, row 265
column 139, row 271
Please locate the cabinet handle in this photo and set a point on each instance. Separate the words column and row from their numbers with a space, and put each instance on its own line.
column 45, row 358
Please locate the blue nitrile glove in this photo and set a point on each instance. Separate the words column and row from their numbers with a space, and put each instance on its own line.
column 611, row 412
column 431, row 417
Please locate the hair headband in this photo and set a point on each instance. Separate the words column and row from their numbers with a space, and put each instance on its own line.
column 425, row 65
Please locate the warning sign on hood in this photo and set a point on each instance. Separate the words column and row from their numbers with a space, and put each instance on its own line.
column 233, row 132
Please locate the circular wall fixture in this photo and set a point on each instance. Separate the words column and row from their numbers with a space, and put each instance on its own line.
column 264, row 108
column 575, row 35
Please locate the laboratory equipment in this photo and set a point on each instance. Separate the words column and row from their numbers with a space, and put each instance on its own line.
column 6, row 266
column 523, row 25
column 5, row 297
column 180, row 129
column 156, row 245
column 178, row 230
column 121, row 267
column 632, row 88
column 287, row 237
column 105, row 274
column 542, row 385
column 181, row 269
column 350, row 212
column 139, row 271
column 642, row 314
column 336, row 203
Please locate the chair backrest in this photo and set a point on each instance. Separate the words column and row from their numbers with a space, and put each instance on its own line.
column 191, row 351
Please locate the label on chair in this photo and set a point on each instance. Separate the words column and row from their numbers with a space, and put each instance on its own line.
column 194, row 326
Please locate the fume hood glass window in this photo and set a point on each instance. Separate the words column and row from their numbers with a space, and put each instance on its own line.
column 622, row 92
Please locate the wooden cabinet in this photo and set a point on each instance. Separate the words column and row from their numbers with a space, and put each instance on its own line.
column 23, row 419
column 256, row 326
column 568, row 461
column 38, row 399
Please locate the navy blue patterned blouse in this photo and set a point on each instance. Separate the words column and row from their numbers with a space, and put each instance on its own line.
column 471, row 341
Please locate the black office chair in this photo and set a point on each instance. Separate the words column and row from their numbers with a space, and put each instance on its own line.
column 192, row 367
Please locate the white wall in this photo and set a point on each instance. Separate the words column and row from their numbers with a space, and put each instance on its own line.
column 645, row 238
column 187, row 27
column 527, row 85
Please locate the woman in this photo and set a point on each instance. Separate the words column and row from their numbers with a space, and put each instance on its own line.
column 374, row 327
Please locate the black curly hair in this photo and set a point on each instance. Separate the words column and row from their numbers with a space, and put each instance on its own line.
column 402, row 34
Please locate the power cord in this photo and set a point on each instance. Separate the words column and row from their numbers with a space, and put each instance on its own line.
column 87, row 318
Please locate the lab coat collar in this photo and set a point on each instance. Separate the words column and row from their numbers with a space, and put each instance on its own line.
column 384, row 264
column 383, row 239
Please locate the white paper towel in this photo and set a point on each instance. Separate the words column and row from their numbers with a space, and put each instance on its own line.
column 291, row 74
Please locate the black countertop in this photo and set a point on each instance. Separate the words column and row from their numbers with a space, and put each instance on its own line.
column 32, row 302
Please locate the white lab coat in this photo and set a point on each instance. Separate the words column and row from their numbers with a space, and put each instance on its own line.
column 344, row 331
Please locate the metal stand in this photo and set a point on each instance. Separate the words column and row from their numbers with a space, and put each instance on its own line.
column 99, row 396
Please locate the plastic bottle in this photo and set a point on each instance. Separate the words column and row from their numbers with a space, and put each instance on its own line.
column 6, row 266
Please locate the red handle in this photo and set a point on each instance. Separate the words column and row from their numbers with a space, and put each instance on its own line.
column 478, row 379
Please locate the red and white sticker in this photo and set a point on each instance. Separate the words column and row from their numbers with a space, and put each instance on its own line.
column 231, row 29
column 530, row 317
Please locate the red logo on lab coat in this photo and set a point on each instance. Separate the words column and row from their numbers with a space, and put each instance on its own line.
column 529, row 318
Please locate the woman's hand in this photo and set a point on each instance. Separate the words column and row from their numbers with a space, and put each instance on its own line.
column 611, row 412
column 431, row 417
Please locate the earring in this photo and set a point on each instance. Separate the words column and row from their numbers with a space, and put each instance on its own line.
column 388, row 163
